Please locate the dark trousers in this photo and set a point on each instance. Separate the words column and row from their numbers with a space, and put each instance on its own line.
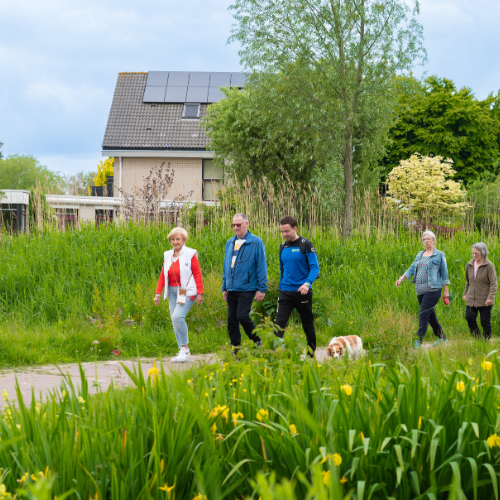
column 485, row 315
column 287, row 302
column 427, row 302
column 238, row 312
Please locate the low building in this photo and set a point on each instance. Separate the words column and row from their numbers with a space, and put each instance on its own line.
column 154, row 118
column 14, row 210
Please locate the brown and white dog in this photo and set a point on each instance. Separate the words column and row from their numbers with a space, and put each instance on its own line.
column 350, row 343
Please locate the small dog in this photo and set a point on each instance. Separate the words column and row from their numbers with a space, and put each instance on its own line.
column 350, row 343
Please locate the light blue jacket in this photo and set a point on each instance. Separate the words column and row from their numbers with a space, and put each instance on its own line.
column 250, row 269
column 438, row 270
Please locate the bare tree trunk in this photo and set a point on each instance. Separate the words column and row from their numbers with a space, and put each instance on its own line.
column 348, row 187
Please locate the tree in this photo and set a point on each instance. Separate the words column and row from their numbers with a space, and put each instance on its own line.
column 425, row 186
column 340, row 59
column 252, row 141
column 436, row 119
column 79, row 184
column 25, row 172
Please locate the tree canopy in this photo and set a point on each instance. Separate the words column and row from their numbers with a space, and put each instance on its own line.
column 25, row 172
column 436, row 119
column 339, row 60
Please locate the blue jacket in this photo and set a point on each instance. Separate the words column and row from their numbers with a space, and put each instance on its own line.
column 250, row 269
column 438, row 270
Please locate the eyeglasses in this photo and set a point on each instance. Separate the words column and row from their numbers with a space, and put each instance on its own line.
column 237, row 225
column 476, row 253
column 427, row 239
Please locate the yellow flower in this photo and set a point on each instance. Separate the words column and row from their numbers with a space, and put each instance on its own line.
column 327, row 476
column 214, row 427
column 347, row 389
column 236, row 416
column 5, row 395
column 493, row 440
column 3, row 491
column 81, row 400
column 343, row 480
column 487, row 365
column 293, row 429
column 189, row 381
column 153, row 372
column 166, row 488
column 419, row 422
column 261, row 414
column 470, row 361
column 362, row 436
column 337, row 459
column 460, row 386
column 199, row 496
column 220, row 410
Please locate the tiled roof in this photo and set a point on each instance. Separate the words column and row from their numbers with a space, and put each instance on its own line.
column 133, row 124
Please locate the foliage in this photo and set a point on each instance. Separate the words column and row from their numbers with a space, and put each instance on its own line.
column 150, row 203
column 437, row 120
column 269, row 425
column 41, row 215
column 79, row 184
column 105, row 169
column 25, row 172
column 254, row 134
column 339, row 60
column 424, row 186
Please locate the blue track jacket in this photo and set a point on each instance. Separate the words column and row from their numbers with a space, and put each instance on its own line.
column 297, row 268
column 250, row 269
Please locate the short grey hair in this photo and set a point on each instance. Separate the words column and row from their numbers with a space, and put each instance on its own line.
column 482, row 248
column 243, row 216
column 429, row 233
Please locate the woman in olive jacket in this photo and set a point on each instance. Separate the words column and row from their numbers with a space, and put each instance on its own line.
column 480, row 289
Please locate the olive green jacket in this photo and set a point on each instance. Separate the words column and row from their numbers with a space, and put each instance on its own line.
column 484, row 287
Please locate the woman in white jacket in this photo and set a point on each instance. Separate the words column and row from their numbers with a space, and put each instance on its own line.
column 184, row 285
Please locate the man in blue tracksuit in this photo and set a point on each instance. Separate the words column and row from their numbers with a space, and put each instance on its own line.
column 244, row 277
column 299, row 268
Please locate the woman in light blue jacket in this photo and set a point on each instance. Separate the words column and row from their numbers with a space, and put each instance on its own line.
column 430, row 275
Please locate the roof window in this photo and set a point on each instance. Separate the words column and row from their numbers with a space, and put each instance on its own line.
column 191, row 111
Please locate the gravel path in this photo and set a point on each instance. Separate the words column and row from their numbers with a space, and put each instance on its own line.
column 45, row 379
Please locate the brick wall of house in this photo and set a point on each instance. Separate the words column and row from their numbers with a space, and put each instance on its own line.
column 188, row 175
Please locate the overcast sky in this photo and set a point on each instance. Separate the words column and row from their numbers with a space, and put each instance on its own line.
column 59, row 61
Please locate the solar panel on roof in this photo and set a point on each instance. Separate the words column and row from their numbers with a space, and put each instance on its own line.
column 199, row 79
column 220, row 79
column 175, row 94
column 178, row 79
column 197, row 94
column 214, row 94
column 157, row 78
column 238, row 79
column 154, row 94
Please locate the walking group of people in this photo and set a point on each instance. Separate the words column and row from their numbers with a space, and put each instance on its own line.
column 430, row 275
column 244, row 278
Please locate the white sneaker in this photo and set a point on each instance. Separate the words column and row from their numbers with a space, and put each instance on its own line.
column 182, row 357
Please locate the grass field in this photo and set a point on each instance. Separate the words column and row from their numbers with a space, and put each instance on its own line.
column 49, row 283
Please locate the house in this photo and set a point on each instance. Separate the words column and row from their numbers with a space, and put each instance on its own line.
column 14, row 210
column 154, row 118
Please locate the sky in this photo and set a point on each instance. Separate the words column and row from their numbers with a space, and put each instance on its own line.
column 59, row 61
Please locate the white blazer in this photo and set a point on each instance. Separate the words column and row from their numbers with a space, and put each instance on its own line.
column 185, row 256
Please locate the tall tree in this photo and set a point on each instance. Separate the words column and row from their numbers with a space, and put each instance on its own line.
column 341, row 57
column 436, row 119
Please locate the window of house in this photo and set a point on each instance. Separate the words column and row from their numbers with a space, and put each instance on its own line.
column 67, row 217
column 191, row 111
column 213, row 177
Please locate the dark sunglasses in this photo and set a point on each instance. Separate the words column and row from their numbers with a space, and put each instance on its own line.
column 237, row 225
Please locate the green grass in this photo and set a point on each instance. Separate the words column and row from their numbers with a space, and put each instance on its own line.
column 49, row 283
column 399, row 432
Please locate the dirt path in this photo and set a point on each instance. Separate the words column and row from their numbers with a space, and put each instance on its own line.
column 44, row 379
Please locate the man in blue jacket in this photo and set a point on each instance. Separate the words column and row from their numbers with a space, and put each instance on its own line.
column 299, row 268
column 244, row 277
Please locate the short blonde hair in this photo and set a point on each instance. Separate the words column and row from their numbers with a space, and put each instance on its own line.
column 178, row 230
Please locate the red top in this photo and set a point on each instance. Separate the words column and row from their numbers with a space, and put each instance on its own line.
column 174, row 268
